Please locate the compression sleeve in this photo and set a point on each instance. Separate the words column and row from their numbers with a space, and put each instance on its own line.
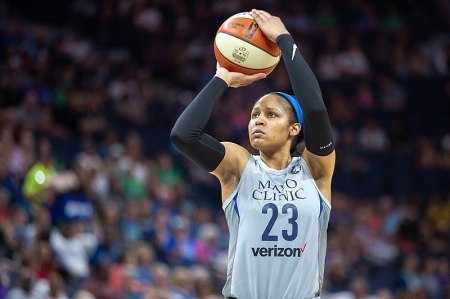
column 187, row 134
column 317, row 128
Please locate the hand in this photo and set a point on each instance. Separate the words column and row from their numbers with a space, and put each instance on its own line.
column 234, row 79
column 270, row 25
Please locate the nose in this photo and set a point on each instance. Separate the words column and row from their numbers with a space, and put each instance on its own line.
column 260, row 120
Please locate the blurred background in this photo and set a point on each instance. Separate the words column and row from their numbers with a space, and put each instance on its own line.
column 96, row 203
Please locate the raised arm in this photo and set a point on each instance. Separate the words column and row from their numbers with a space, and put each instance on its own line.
column 319, row 140
column 224, row 160
column 188, row 135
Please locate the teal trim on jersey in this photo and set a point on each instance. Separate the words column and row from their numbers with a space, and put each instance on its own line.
column 321, row 203
column 235, row 204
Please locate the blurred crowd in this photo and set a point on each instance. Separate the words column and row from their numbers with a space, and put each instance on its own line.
column 96, row 203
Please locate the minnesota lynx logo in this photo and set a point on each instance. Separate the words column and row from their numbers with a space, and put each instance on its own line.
column 240, row 54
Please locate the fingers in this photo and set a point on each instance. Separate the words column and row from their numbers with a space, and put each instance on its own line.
column 258, row 76
column 263, row 15
column 252, row 78
column 244, row 80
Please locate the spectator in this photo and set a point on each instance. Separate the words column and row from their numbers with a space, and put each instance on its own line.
column 183, row 283
column 98, row 284
column 352, row 61
column 53, row 287
column 372, row 137
column 24, row 287
column 162, row 281
column 134, row 168
column 73, row 248
column 181, row 245
column 36, row 186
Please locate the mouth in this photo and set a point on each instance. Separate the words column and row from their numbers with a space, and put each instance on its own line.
column 257, row 133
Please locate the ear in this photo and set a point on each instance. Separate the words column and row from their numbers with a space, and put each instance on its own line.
column 294, row 130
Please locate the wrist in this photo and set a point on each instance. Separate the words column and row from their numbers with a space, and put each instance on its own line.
column 220, row 81
column 282, row 37
column 223, row 77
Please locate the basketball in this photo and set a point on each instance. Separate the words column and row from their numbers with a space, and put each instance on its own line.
column 240, row 46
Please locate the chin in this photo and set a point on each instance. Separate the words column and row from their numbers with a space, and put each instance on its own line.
column 254, row 146
column 257, row 145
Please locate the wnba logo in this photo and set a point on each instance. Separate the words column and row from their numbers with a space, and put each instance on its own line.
column 251, row 30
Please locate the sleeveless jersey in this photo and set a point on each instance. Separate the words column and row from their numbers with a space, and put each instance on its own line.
column 278, row 221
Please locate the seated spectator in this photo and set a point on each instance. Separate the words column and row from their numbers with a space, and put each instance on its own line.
column 24, row 285
column 372, row 138
column 53, row 288
column 36, row 186
column 352, row 61
column 73, row 247
column 98, row 284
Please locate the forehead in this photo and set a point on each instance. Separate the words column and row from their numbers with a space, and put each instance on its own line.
column 269, row 101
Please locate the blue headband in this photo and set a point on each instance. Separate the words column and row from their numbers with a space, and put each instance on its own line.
column 295, row 105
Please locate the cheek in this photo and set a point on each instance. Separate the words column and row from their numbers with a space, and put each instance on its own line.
column 251, row 124
column 280, row 131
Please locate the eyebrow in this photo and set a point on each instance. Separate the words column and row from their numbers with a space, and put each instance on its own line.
column 267, row 108
column 273, row 108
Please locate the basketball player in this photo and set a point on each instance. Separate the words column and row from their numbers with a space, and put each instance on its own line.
column 277, row 205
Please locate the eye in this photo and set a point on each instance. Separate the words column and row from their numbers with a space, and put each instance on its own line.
column 255, row 114
column 271, row 114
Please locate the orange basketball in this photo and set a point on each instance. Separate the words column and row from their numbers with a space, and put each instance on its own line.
column 240, row 46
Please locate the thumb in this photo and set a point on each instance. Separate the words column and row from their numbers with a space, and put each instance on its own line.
column 257, row 76
column 248, row 79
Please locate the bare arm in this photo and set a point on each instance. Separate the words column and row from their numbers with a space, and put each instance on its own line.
column 230, row 169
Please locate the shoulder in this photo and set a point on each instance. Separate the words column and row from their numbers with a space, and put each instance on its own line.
column 234, row 161
column 322, row 169
column 230, row 170
column 320, row 166
column 236, row 152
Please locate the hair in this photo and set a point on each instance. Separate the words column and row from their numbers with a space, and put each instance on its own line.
column 296, row 148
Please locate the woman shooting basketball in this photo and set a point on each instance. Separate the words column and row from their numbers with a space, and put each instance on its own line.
column 277, row 205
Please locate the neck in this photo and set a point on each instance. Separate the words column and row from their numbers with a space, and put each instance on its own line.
column 276, row 161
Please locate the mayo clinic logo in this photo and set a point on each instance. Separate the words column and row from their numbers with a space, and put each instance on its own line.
column 289, row 191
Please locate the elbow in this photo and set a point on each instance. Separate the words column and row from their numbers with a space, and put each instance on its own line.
column 176, row 137
column 181, row 137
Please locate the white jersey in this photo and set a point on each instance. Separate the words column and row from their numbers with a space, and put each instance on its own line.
column 278, row 222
